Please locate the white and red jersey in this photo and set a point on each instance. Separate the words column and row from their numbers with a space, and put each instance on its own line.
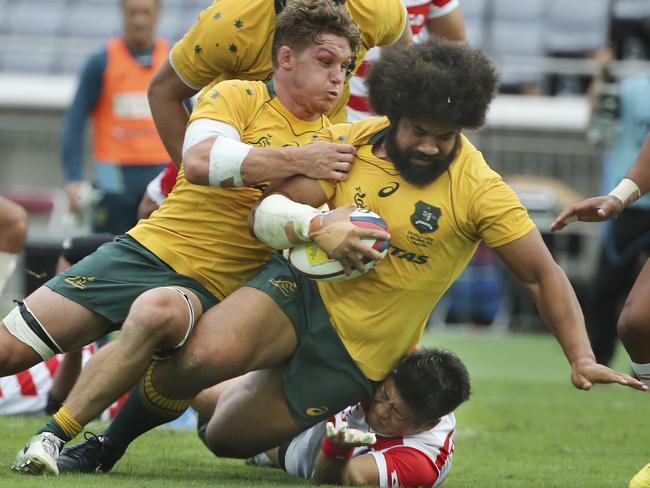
column 161, row 185
column 419, row 12
column 26, row 392
column 422, row 459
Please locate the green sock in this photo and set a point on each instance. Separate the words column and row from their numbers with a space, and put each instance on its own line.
column 53, row 427
column 143, row 410
column 135, row 418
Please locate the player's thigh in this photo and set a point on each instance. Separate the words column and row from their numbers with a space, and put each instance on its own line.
column 47, row 323
column 637, row 306
column 251, row 417
column 71, row 325
column 112, row 278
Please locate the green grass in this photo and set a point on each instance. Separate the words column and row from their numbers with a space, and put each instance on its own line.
column 525, row 426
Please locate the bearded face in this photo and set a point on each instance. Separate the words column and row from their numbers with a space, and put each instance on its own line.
column 420, row 150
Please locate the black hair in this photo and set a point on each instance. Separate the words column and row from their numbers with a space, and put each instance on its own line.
column 439, row 80
column 432, row 382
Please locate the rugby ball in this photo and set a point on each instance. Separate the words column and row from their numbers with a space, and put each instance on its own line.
column 311, row 261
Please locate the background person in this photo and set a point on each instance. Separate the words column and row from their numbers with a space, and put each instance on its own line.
column 13, row 222
column 127, row 150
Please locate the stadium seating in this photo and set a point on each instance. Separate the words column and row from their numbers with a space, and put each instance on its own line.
column 517, row 29
column 58, row 42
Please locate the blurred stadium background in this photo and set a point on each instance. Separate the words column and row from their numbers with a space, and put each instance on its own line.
column 537, row 127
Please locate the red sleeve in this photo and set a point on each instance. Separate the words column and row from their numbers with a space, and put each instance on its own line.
column 169, row 179
column 407, row 466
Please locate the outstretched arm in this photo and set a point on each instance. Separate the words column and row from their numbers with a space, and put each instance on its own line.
column 532, row 265
column 598, row 209
column 450, row 25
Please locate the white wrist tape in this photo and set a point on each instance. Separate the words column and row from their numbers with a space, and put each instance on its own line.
column 282, row 223
column 626, row 191
column 226, row 158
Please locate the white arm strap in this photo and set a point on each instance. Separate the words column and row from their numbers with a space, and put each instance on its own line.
column 227, row 153
column 202, row 129
column 226, row 158
column 282, row 223
column 626, row 191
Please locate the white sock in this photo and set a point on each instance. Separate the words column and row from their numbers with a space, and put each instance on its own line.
column 7, row 265
column 642, row 371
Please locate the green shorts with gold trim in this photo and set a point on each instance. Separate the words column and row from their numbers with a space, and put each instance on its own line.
column 110, row 279
column 321, row 378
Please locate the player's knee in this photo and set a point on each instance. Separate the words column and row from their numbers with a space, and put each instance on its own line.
column 157, row 315
column 633, row 326
column 14, row 228
column 14, row 355
column 226, row 446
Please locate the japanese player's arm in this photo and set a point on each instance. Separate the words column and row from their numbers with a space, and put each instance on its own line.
column 447, row 21
column 358, row 471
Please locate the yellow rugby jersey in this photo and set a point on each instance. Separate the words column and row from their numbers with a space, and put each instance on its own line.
column 201, row 231
column 435, row 231
column 232, row 39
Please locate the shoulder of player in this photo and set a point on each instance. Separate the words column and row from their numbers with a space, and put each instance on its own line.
column 240, row 88
column 233, row 10
column 469, row 163
column 376, row 18
column 359, row 132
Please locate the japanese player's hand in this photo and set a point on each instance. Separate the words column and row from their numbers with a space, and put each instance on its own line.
column 345, row 438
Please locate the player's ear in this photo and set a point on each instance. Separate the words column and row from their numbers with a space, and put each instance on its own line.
column 430, row 424
column 285, row 58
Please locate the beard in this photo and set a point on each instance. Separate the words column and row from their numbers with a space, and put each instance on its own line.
column 416, row 174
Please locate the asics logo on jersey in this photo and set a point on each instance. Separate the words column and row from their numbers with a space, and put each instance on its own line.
column 286, row 287
column 425, row 218
column 79, row 281
column 388, row 190
column 316, row 411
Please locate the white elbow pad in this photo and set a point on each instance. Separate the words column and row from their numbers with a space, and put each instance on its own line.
column 226, row 159
column 282, row 223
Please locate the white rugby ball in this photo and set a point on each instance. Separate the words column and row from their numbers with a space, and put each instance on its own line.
column 314, row 263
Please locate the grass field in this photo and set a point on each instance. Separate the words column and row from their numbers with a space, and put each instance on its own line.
column 525, row 426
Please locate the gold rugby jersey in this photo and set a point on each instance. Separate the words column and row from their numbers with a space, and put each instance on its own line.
column 232, row 39
column 201, row 231
column 435, row 231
